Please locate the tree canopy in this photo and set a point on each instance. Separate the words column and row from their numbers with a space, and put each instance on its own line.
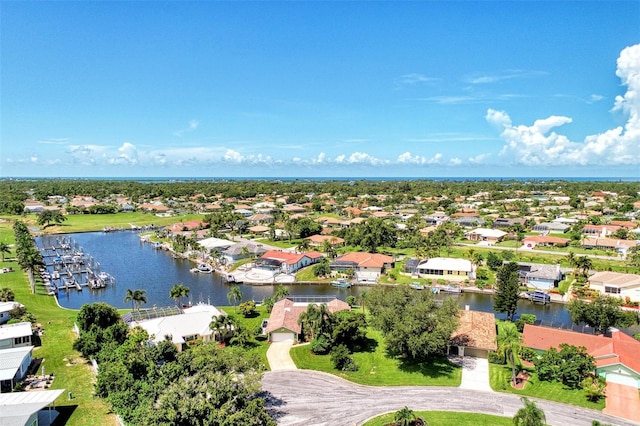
column 601, row 313
column 505, row 299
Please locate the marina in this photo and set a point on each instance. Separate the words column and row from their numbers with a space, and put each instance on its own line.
column 68, row 267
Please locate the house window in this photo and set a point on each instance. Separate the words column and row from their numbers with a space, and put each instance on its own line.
column 20, row 340
column 611, row 290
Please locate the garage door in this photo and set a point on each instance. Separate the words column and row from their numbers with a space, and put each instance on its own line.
column 281, row 337
column 478, row 353
column 622, row 379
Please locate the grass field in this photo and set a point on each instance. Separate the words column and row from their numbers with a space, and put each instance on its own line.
column 447, row 418
column 377, row 369
column 72, row 373
column 500, row 376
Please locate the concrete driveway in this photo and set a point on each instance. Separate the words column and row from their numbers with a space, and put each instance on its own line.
column 475, row 374
column 304, row 397
column 622, row 401
column 278, row 356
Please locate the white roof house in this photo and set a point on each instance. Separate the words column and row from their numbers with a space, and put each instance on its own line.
column 215, row 243
column 446, row 264
column 23, row 408
column 13, row 335
column 5, row 308
column 485, row 233
column 14, row 363
column 190, row 325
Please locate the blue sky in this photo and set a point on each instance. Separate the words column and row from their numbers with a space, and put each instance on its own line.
column 320, row 89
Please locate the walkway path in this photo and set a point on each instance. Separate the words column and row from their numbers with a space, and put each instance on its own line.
column 278, row 356
column 304, row 397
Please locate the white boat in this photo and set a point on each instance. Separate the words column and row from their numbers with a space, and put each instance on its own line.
column 203, row 268
column 341, row 282
column 416, row 286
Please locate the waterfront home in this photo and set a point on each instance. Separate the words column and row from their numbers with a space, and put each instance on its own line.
column 603, row 243
column 503, row 222
column 616, row 355
column 600, row 230
column 540, row 276
column 182, row 327
column 447, row 268
column 243, row 250
column 616, row 284
column 215, row 244
column 475, row 335
column 287, row 262
column 551, row 227
column 283, row 321
column 318, row 240
column 367, row 266
column 15, row 335
column 14, row 364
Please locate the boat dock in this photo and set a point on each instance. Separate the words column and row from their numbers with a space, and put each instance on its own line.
column 68, row 267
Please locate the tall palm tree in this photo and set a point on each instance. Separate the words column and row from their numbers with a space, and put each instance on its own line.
column 303, row 246
column 136, row 297
column 509, row 345
column 529, row 415
column 281, row 292
column 178, row 291
column 4, row 248
column 234, row 295
column 30, row 259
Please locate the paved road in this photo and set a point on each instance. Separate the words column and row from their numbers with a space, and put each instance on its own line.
column 303, row 397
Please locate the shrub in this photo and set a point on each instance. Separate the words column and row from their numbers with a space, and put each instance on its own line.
column 341, row 359
column 351, row 301
column 528, row 354
column 525, row 319
column 320, row 345
column 496, row 358
column 594, row 387
column 248, row 308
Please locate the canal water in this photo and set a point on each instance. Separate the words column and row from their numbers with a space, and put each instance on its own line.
column 138, row 265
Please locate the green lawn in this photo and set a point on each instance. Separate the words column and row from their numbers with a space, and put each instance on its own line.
column 377, row 369
column 72, row 372
column 447, row 418
column 253, row 323
column 96, row 222
column 500, row 376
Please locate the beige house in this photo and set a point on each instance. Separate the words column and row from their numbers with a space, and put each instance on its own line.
column 616, row 284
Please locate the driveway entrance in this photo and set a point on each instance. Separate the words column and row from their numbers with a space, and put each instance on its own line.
column 278, row 356
column 622, row 401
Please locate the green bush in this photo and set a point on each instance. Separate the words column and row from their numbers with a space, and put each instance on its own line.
column 341, row 359
column 525, row 319
column 527, row 354
column 320, row 345
column 496, row 358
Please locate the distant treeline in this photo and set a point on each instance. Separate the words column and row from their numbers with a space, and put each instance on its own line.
column 14, row 192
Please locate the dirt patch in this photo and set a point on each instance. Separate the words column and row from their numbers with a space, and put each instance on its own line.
column 521, row 380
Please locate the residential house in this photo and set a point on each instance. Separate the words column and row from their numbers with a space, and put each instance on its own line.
column 502, row 222
column 485, row 234
column 469, row 221
column 5, row 308
column 186, row 226
column 213, row 244
column 15, row 335
column 545, row 240
column 287, row 262
column 540, row 276
column 600, row 230
column 282, row 324
column 260, row 218
column 624, row 223
column 189, row 325
column 243, row 250
column 616, row 356
column 436, row 218
column 621, row 246
column 616, row 284
column 551, row 227
column 319, row 240
column 27, row 408
column 475, row 335
column 446, row 268
column 14, row 364
column 367, row 266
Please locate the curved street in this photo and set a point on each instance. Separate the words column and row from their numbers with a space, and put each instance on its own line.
column 304, row 397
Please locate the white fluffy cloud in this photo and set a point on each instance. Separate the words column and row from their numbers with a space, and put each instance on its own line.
column 408, row 158
column 539, row 145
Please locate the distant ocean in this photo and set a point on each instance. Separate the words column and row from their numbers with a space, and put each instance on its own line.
column 341, row 178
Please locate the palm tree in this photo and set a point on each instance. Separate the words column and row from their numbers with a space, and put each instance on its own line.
column 509, row 345
column 178, row 291
column 29, row 259
column 4, row 248
column 234, row 295
column 404, row 417
column 281, row 292
column 363, row 298
column 303, row 246
column 218, row 324
column 529, row 415
column 136, row 297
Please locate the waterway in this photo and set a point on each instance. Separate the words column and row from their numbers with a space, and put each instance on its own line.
column 138, row 265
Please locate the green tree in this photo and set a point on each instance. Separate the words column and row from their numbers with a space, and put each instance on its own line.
column 4, row 249
column 303, row 246
column 494, row 261
column 404, row 417
column 30, row 259
column 220, row 324
column 509, row 346
column 505, row 299
column 633, row 257
column 234, row 295
column 248, row 308
column 281, row 292
column 601, row 313
column 136, row 297
column 7, row 295
column 178, row 291
column 48, row 216
column 570, row 365
column 529, row 415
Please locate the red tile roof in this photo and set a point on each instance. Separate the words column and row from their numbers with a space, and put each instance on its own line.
column 285, row 314
column 617, row 349
column 289, row 257
column 366, row 260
